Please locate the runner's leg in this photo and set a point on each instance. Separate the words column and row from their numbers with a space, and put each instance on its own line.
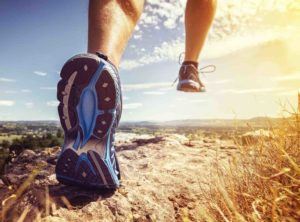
column 111, row 23
column 199, row 15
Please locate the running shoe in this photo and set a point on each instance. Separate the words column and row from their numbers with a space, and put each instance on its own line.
column 90, row 106
column 188, row 80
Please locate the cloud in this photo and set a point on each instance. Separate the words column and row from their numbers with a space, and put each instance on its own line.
column 167, row 88
column 2, row 79
column 158, row 93
column 15, row 91
column 25, row 90
column 289, row 93
column 132, row 105
column 231, row 14
column 129, row 64
column 138, row 86
column 221, row 81
column 52, row 103
column 137, row 36
column 167, row 13
column 170, row 50
column 247, row 91
column 29, row 105
column 48, row 87
column 7, row 103
column 197, row 100
column 10, row 91
column 165, row 51
column 40, row 73
column 294, row 76
column 232, row 29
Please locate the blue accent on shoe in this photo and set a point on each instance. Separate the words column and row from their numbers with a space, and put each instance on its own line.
column 77, row 141
column 87, row 106
column 83, row 158
column 108, row 160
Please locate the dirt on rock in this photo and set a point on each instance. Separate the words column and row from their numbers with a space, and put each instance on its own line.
column 164, row 178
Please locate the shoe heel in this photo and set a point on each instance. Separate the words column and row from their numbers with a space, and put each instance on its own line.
column 87, row 170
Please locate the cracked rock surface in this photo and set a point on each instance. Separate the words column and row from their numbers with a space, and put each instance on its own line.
column 164, row 178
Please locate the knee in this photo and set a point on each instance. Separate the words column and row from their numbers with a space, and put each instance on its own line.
column 132, row 8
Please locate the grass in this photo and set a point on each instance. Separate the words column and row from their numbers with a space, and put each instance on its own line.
column 9, row 202
column 261, row 182
column 10, row 137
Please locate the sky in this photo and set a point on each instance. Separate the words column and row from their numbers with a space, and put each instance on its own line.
column 253, row 43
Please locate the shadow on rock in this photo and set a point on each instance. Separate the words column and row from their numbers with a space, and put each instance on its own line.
column 76, row 197
column 140, row 142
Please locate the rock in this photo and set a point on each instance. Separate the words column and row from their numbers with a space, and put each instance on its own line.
column 27, row 155
column 177, row 139
column 129, row 154
column 52, row 179
column 209, row 140
column 52, row 160
column 152, row 169
column 30, row 167
column 206, row 141
column 13, row 179
column 42, row 174
column 141, row 142
column 229, row 147
column 225, row 136
column 191, row 205
column 143, row 165
column 189, row 144
column 253, row 137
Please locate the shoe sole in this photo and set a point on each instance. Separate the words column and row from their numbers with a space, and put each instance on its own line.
column 88, row 97
column 186, row 87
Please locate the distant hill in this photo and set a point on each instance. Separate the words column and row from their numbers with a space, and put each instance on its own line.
column 253, row 122
column 31, row 122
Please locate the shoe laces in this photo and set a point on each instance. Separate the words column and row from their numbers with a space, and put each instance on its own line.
column 206, row 69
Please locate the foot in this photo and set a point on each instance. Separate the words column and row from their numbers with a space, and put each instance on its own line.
column 90, row 109
column 188, row 80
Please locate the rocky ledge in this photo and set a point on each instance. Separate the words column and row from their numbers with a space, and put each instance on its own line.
column 163, row 179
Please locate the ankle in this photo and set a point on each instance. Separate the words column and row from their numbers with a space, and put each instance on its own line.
column 115, row 60
column 195, row 64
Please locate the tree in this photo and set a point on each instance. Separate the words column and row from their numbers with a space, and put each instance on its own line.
column 49, row 136
column 29, row 142
column 54, row 142
column 16, row 147
column 59, row 133
column 5, row 144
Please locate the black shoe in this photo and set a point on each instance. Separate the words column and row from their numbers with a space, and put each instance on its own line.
column 189, row 80
column 90, row 109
